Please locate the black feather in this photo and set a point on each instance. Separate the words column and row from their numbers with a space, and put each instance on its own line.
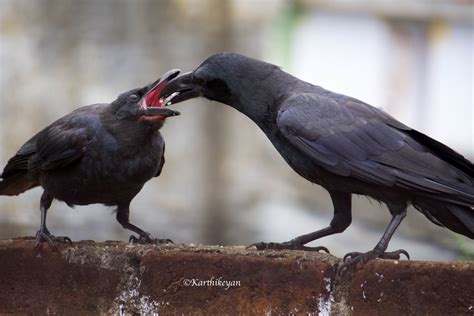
column 444, row 152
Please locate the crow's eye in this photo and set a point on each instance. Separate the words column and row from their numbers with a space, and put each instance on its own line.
column 133, row 98
column 201, row 81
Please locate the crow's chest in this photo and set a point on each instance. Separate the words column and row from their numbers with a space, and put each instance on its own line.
column 109, row 171
column 299, row 162
column 124, row 162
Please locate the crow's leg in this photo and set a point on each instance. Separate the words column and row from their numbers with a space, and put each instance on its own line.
column 144, row 237
column 353, row 258
column 43, row 233
column 341, row 220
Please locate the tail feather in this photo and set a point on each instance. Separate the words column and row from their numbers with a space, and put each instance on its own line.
column 465, row 215
column 458, row 218
column 444, row 152
column 16, row 184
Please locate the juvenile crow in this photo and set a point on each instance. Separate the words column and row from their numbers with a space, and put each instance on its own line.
column 342, row 144
column 102, row 153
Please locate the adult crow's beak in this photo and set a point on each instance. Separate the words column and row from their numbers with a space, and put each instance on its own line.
column 180, row 89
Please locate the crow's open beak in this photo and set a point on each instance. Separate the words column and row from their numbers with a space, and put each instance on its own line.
column 180, row 89
column 154, row 103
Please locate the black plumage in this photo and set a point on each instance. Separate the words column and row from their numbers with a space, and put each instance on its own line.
column 343, row 144
column 102, row 153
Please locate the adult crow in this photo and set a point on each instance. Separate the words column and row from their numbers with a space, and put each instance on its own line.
column 102, row 153
column 342, row 144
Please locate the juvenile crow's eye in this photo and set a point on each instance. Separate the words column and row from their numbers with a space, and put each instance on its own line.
column 133, row 98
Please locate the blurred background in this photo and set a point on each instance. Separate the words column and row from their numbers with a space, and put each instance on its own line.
column 223, row 182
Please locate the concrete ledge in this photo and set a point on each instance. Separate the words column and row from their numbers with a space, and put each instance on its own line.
column 118, row 278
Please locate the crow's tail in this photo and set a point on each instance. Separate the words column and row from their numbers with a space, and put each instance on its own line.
column 458, row 218
column 16, row 184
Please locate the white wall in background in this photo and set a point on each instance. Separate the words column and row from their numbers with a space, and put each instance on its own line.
column 451, row 106
column 422, row 73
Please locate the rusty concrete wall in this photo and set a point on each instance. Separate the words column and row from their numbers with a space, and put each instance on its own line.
column 121, row 279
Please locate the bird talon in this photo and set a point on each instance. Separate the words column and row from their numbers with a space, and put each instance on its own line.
column 395, row 255
column 147, row 239
column 354, row 258
column 350, row 255
column 403, row 251
column 43, row 235
column 163, row 241
column 324, row 249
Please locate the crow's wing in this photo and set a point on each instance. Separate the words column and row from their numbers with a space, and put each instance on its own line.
column 61, row 143
column 58, row 146
column 350, row 138
column 13, row 179
column 19, row 162
column 162, row 163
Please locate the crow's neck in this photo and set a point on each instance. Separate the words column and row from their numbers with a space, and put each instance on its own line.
column 260, row 99
column 131, row 133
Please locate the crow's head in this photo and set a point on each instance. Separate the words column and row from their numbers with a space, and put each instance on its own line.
column 145, row 104
column 236, row 80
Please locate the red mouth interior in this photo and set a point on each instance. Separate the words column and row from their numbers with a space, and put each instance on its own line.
column 153, row 96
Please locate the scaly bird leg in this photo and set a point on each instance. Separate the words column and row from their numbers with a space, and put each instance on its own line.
column 43, row 234
column 341, row 220
column 353, row 258
column 144, row 237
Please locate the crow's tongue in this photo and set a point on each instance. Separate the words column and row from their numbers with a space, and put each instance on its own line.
column 153, row 96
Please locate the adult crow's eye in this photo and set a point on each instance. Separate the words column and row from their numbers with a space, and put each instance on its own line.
column 133, row 98
column 201, row 81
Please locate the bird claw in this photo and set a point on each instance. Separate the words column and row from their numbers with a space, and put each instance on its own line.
column 147, row 239
column 286, row 245
column 352, row 259
column 43, row 235
column 373, row 254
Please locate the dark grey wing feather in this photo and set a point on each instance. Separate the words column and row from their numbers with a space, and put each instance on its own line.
column 58, row 146
column 162, row 163
column 442, row 151
column 350, row 138
column 19, row 162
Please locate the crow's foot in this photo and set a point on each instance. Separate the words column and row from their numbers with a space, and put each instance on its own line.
column 146, row 238
column 352, row 259
column 43, row 235
column 289, row 245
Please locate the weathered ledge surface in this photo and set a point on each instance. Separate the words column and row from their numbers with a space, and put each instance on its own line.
column 118, row 278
